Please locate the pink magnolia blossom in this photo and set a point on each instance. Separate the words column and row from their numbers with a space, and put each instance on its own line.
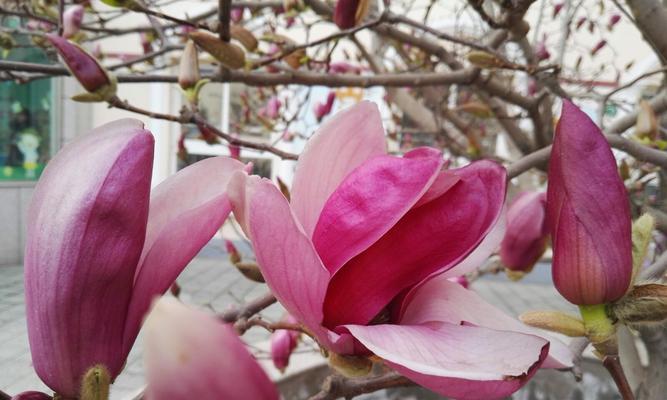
column 541, row 52
column 588, row 214
column 236, row 14
column 192, row 355
column 72, row 19
column 101, row 244
column 362, row 257
column 283, row 343
column 85, row 68
column 321, row 110
column 526, row 236
column 272, row 108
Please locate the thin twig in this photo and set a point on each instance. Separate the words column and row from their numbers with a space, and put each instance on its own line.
column 613, row 365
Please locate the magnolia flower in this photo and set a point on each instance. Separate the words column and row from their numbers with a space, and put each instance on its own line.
column 72, row 19
column 588, row 214
column 527, row 231
column 321, row 110
column 101, row 245
column 362, row 256
column 283, row 343
column 192, row 355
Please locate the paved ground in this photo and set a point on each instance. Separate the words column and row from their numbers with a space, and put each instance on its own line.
column 212, row 282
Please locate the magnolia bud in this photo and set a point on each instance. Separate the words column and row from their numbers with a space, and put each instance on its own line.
column 599, row 46
column 236, row 14
column 31, row 395
column 229, row 54
column 349, row 13
column 72, row 19
column 234, row 255
column 350, row 366
column 251, row 271
column 580, row 22
column 323, row 109
column 613, row 20
column 557, row 9
column 526, row 234
column 541, row 52
column 95, row 384
column 555, row 321
column 483, row 59
column 244, row 36
column 283, row 343
column 188, row 74
column 644, row 305
column 86, row 69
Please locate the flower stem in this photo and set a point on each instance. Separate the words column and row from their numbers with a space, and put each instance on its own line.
column 599, row 328
column 613, row 365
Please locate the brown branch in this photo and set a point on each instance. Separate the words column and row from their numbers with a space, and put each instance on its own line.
column 336, row 386
column 4, row 396
column 224, row 15
column 613, row 365
column 249, row 309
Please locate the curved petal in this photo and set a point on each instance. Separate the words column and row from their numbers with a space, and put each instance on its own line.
column 440, row 299
column 341, row 144
column 588, row 213
column 85, row 234
column 428, row 239
column 289, row 263
column 464, row 362
column 185, row 212
column 191, row 355
column 369, row 201
column 527, row 232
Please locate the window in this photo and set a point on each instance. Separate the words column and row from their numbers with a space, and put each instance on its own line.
column 25, row 118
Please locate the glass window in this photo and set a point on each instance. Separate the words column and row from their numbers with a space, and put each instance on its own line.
column 25, row 119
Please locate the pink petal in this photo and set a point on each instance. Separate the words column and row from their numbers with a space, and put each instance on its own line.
column 185, row 212
column 588, row 213
column 291, row 267
column 191, row 355
column 341, row 144
column 428, row 239
column 31, row 395
column 463, row 362
column 440, row 299
column 86, row 230
column 369, row 201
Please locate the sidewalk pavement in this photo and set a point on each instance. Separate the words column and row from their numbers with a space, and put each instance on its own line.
column 212, row 282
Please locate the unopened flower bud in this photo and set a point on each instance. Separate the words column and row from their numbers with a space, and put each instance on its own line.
column 72, row 19
column 541, row 52
column 251, row 271
column 526, row 234
column 599, row 46
column 236, row 14
column 229, row 54
column 557, row 9
column 283, row 343
column 350, row 366
column 483, row 59
column 101, row 86
column 244, row 36
column 644, row 305
column 555, row 321
column 580, row 22
column 613, row 20
column 349, row 13
column 95, row 384
column 31, row 395
column 323, row 109
column 234, row 255
column 188, row 74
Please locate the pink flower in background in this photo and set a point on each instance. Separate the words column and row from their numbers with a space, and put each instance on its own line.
column 343, row 67
column 283, row 343
column 541, row 52
column 347, row 12
column 362, row 257
column 526, row 236
column 72, row 19
column 101, row 244
column 588, row 214
column 580, row 22
column 31, row 395
column 236, row 14
column 272, row 108
column 613, row 20
column 599, row 46
column 321, row 110
column 461, row 280
column 192, row 355
column 557, row 9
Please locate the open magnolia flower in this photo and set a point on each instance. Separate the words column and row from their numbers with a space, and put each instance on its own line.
column 101, row 245
column 362, row 256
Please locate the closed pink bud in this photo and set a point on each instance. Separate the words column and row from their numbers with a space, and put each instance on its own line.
column 192, row 355
column 72, row 19
column 272, row 108
column 613, row 20
column 323, row 109
column 349, row 13
column 580, row 22
column 283, row 343
column 541, row 52
column 557, row 9
column 532, row 87
column 588, row 214
column 461, row 280
column 526, row 235
column 83, row 66
column 234, row 255
column 236, row 14
column 599, row 46
column 188, row 70
column 31, row 395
